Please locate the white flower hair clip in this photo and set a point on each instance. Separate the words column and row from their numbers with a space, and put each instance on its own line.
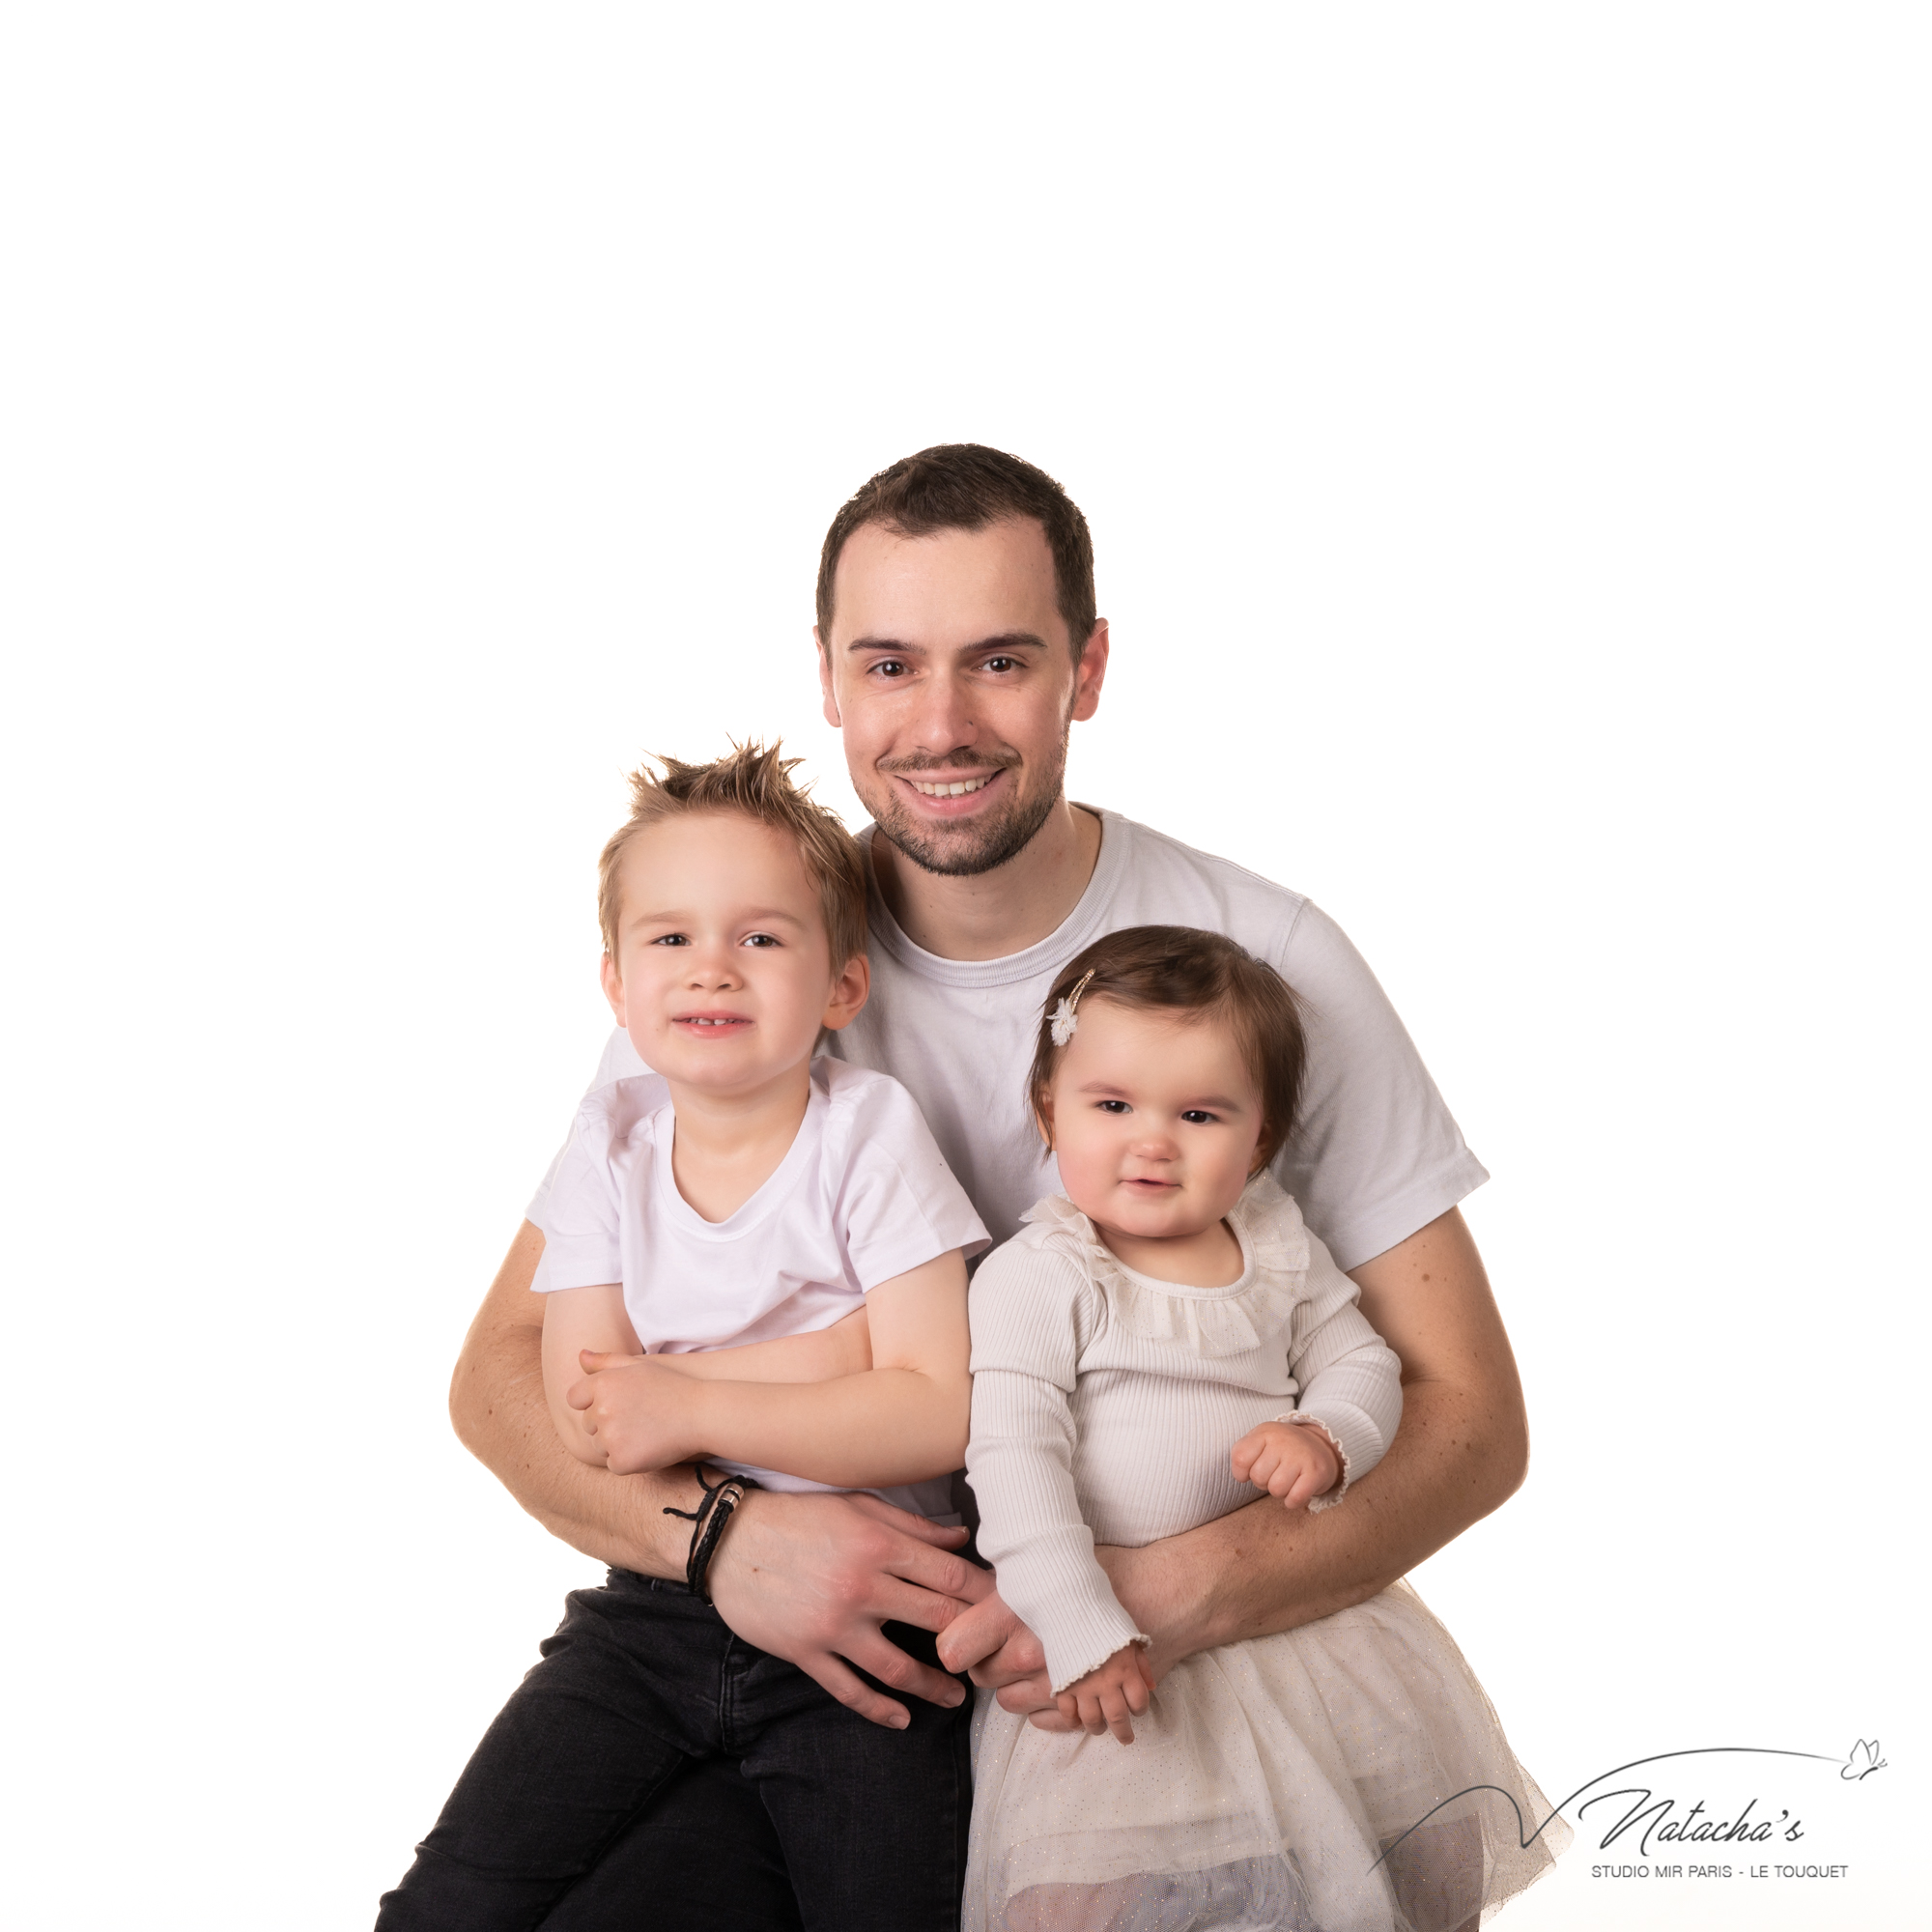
column 1066, row 1015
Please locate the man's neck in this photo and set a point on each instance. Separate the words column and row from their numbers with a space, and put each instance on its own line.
column 989, row 915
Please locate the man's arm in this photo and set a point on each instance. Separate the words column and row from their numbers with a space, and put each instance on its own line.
column 1461, row 1451
column 809, row 1578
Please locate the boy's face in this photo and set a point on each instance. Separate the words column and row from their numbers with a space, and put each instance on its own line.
column 948, row 666
column 1154, row 1119
column 724, row 974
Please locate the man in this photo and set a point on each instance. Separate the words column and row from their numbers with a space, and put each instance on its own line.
column 958, row 642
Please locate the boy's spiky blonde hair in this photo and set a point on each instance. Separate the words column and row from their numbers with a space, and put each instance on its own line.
column 755, row 782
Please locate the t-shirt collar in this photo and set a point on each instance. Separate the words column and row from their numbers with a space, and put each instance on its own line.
column 1080, row 927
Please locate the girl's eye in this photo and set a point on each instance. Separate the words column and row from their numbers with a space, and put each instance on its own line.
column 1198, row 1116
column 1112, row 1107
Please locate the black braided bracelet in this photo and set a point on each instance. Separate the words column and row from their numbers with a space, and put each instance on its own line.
column 707, row 1524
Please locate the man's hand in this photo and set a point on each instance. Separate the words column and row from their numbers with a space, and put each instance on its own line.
column 811, row 1577
column 640, row 1410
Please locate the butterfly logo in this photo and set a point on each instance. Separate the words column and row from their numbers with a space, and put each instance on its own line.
column 1863, row 1762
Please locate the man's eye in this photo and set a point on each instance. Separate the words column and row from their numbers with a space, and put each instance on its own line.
column 1114, row 1107
column 1001, row 663
column 890, row 668
column 1197, row 1117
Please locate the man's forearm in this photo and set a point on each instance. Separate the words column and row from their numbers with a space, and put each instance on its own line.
column 497, row 1404
column 1460, row 1452
column 1265, row 1568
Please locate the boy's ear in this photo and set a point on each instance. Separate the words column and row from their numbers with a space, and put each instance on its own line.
column 849, row 992
column 614, row 988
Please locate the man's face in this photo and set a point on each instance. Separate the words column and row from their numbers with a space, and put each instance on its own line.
column 950, row 671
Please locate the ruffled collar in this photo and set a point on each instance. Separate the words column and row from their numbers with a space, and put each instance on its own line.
column 1209, row 1321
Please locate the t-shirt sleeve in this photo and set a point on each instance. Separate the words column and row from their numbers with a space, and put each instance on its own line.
column 1019, row 1460
column 1349, row 1379
column 618, row 1062
column 1375, row 1154
column 899, row 1206
column 582, row 1209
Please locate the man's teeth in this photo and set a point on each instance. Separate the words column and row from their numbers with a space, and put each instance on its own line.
column 950, row 790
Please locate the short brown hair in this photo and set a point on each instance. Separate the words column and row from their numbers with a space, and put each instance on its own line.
column 1180, row 969
column 755, row 782
column 965, row 486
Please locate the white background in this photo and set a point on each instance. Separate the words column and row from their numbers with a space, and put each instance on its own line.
column 1504, row 432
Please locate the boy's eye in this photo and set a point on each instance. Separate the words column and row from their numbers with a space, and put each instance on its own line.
column 671, row 939
column 1112, row 1107
column 761, row 939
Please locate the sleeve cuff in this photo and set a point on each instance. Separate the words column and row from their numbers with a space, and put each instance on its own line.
column 1352, row 1437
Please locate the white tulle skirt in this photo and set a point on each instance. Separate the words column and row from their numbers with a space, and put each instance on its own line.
column 1290, row 1781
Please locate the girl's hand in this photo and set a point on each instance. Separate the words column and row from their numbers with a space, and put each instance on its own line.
column 638, row 1411
column 1101, row 1700
column 1288, row 1460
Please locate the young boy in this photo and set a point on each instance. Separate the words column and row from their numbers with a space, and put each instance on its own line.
column 773, row 1243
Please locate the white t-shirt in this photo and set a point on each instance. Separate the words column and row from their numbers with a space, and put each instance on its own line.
column 1376, row 1156
column 862, row 1197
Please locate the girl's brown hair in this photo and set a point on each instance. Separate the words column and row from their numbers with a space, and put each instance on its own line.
column 1179, row 969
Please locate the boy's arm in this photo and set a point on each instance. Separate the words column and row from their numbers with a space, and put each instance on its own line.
column 1460, row 1452
column 577, row 1319
column 845, row 1348
column 809, row 1578
column 901, row 1421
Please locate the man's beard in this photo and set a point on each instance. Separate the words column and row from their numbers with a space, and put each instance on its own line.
column 980, row 845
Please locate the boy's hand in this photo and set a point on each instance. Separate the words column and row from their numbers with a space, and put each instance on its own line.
column 1288, row 1460
column 640, row 1411
column 1100, row 1701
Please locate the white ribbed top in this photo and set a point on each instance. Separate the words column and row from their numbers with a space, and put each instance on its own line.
column 1105, row 1402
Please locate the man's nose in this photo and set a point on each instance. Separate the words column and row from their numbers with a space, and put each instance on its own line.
column 944, row 720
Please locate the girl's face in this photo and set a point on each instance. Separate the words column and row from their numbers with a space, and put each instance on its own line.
column 1154, row 1119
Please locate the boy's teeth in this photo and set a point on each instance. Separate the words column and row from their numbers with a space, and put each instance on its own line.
column 950, row 790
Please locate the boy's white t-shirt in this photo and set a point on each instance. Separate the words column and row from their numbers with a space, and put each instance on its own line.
column 862, row 1197
column 1375, row 1154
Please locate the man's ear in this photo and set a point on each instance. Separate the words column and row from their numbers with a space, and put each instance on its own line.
column 1091, row 673
column 831, row 703
column 614, row 988
column 849, row 992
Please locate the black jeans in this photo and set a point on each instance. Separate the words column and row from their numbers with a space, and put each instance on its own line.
column 653, row 1772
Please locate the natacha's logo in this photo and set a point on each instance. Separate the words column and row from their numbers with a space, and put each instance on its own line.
column 1659, row 1818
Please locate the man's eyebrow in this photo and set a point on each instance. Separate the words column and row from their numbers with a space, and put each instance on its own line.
column 1005, row 641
